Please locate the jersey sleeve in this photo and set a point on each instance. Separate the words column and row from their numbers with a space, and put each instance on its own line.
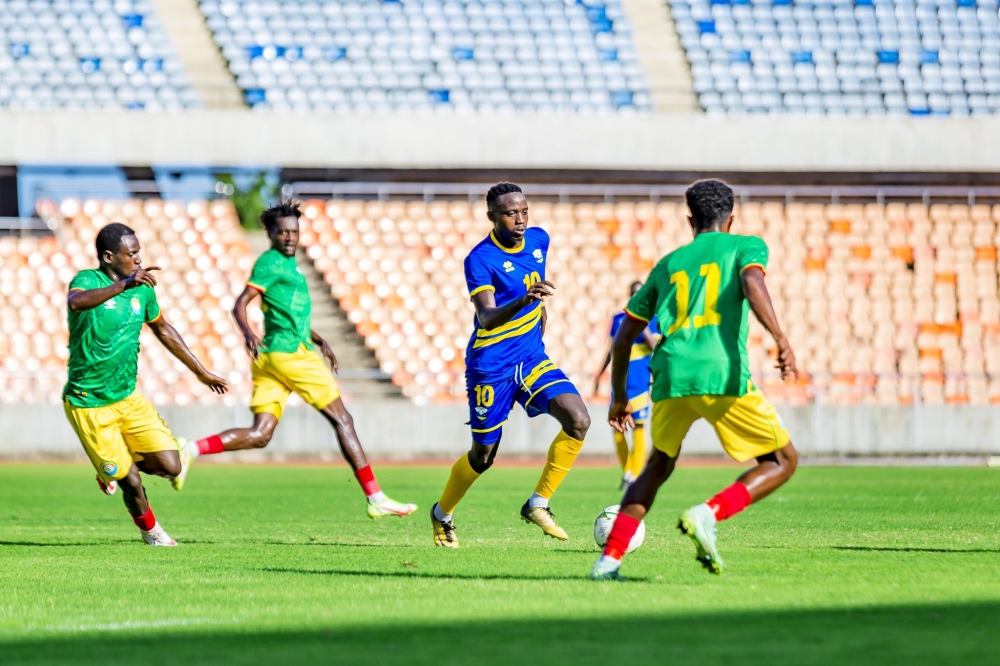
column 753, row 253
column 152, row 312
column 477, row 276
column 263, row 276
column 642, row 306
column 83, row 281
column 543, row 239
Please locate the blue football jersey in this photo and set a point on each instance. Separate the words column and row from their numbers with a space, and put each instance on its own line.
column 639, row 348
column 508, row 273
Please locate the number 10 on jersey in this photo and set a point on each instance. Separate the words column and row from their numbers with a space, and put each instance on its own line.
column 710, row 317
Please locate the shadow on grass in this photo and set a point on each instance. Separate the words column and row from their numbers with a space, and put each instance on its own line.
column 336, row 544
column 926, row 634
column 903, row 549
column 420, row 574
column 64, row 544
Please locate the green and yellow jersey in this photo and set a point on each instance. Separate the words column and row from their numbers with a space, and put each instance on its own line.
column 285, row 302
column 104, row 342
column 696, row 295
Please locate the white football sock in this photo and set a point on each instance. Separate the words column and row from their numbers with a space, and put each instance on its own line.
column 377, row 498
column 536, row 501
column 441, row 515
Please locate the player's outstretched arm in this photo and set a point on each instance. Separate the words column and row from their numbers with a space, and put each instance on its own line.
column 619, row 415
column 86, row 299
column 171, row 339
column 250, row 339
column 490, row 316
column 752, row 281
column 326, row 350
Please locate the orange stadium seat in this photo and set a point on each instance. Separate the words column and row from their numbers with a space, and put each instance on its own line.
column 885, row 304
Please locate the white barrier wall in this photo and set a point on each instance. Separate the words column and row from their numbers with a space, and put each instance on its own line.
column 668, row 142
column 396, row 429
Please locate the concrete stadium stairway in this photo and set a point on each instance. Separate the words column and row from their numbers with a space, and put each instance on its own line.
column 658, row 48
column 210, row 77
column 359, row 369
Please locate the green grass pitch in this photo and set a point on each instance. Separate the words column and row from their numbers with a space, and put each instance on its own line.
column 279, row 565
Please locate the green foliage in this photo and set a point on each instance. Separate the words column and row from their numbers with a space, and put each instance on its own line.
column 250, row 195
column 281, row 565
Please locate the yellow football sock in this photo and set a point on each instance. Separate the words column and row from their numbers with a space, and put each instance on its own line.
column 621, row 449
column 461, row 479
column 562, row 453
column 637, row 460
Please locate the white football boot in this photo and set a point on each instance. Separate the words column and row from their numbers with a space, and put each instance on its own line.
column 157, row 536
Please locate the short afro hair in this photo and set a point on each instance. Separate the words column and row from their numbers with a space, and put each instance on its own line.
column 109, row 239
column 710, row 202
column 498, row 190
column 285, row 208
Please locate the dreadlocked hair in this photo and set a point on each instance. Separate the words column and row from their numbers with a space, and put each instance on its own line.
column 286, row 208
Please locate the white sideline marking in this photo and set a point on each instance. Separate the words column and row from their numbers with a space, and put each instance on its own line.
column 138, row 624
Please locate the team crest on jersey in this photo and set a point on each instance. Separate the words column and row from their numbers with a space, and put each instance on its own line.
column 539, row 257
column 481, row 413
column 109, row 468
column 136, row 306
column 508, row 266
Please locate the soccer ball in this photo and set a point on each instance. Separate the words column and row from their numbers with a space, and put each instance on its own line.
column 606, row 520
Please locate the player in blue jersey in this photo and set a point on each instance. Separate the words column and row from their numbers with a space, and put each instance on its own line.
column 506, row 362
column 638, row 394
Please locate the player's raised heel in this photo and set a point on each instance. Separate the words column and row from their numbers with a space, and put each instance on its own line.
column 187, row 458
column 157, row 537
column 444, row 531
column 109, row 488
column 542, row 516
column 606, row 568
column 388, row 507
column 698, row 522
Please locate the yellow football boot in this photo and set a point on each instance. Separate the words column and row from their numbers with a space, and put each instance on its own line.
column 542, row 516
column 444, row 532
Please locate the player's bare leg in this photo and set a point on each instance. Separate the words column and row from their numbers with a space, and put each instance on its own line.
column 164, row 464
column 136, row 503
column 379, row 505
column 772, row 472
column 698, row 522
column 574, row 418
column 172, row 465
column 256, row 436
column 635, row 505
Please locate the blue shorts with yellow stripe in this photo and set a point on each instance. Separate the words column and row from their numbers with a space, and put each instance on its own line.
column 637, row 389
column 492, row 395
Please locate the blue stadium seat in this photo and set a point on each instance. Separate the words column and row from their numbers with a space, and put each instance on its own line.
column 88, row 53
column 490, row 56
column 842, row 56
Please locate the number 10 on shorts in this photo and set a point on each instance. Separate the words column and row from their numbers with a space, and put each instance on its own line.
column 484, row 395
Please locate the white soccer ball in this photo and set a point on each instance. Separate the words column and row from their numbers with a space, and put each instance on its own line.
column 606, row 520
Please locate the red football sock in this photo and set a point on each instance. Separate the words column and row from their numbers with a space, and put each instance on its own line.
column 730, row 501
column 366, row 477
column 211, row 444
column 146, row 521
column 621, row 536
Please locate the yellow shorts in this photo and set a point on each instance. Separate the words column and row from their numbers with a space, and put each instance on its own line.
column 747, row 426
column 276, row 374
column 116, row 435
